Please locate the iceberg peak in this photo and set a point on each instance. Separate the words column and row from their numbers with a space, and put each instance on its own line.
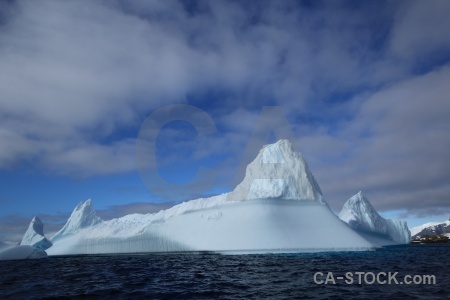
column 360, row 215
column 82, row 216
column 34, row 236
column 273, row 153
column 38, row 226
column 358, row 210
column 278, row 172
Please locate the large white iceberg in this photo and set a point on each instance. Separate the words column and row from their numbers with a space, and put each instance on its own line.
column 34, row 236
column 360, row 215
column 9, row 252
column 278, row 207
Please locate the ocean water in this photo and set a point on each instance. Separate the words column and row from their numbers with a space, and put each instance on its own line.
column 213, row 276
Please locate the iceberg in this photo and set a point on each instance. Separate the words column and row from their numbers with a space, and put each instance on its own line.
column 9, row 252
column 277, row 208
column 360, row 215
column 82, row 216
column 34, row 236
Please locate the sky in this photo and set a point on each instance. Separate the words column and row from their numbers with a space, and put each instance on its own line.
column 361, row 87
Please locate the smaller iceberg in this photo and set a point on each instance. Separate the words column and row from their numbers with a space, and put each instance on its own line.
column 362, row 217
column 9, row 252
column 34, row 236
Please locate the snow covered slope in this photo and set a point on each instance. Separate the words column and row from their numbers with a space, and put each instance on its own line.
column 277, row 208
column 253, row 226
column 431, row 228
column 417, row 229
column 8, row 252
column 360, row 215
column 34, row 236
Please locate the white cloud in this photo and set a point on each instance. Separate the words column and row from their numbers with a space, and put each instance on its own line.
column 93, row 159
column 396, row 147
column 77, row 75
column 420, row 30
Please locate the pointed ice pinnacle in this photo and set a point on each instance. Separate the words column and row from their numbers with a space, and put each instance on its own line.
column 360, row 215
column 82, row 216
column 34, row 236
column 278, row 172
column 272, row 154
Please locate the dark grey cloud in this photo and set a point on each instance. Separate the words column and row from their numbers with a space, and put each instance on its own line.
column 395, row 149
column 444, row 213
column 91, row 68
column 419, row 30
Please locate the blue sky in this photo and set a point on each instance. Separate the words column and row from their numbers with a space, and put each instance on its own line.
column 363, row 86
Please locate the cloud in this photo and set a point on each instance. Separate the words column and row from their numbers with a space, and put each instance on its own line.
column 75, row 77
column 395, row 149
column 82, row 159
column 75, row 74
column 419, row 30
column 79, row 78
column 13, row 227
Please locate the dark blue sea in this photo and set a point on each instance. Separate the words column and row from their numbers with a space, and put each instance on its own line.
column 213, row 276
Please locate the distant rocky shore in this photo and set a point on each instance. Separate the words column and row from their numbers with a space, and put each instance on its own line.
column 431, row 238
